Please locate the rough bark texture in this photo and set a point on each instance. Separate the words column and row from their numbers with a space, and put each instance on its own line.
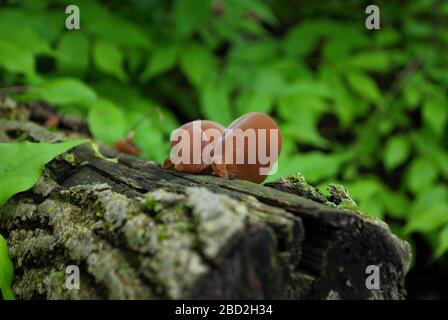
column 139, row 232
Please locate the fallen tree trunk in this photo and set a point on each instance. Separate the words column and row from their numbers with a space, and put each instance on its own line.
column 139, row 232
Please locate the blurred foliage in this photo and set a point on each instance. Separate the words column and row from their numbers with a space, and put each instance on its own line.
column 6, row 271
column 22, row 163
column 367, row 109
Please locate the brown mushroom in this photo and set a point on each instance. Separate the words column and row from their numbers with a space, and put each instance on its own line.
column 207, row 133
column 254, row 154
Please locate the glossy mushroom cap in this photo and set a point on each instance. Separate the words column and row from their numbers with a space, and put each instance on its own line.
column 250, row 139
column 206, row 137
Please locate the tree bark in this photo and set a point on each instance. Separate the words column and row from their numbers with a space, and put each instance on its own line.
column 137, row 231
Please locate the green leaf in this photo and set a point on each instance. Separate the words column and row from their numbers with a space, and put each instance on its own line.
column 441, row 158
column 344, row 105
column 67, row 92
column 47, row 25
column 368, row 193
column 364, row 188
column 261, row 9
column 387, row 37
column 396, row 204
column 427, row 145
column 198, row 64
column 254, row 101
column 316, row 166
column 134, row 58
column 364, row 86
column 107, row 122
column 260, row 51
column 150, row 139
column 428, row 220
column 269, row 81
column 250, row 27
column 301, row 113
column 435, row 115
column 442, row 247
column 189, row 14
column 411, row 95
column 427, row 199
column 418, row 29
column 302, row 38
column 162, row 59
column 303, row 130
column 109, row 59
column 73, row 53
column 373, row 206
column 215, row 104
column 396, row 151
column 111, row 28
column 21, row 164
column 420, row 175
column 309, row 88
column 342, row 41
column 371, row 61
column 285, row 166
column 17, row 60
column 6, row 271
column 23, row 37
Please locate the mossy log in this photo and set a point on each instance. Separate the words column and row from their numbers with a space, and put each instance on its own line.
column 137, row 231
